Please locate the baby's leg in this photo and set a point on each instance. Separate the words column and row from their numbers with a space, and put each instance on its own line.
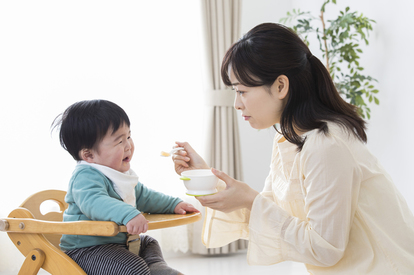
column 109, row 259
column 152, row 255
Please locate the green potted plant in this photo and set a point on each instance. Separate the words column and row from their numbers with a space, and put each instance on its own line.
column 340, row 42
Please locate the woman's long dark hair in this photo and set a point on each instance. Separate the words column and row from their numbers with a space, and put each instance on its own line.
column 270, row 50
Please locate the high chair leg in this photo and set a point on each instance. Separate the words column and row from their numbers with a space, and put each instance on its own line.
column 33, row 263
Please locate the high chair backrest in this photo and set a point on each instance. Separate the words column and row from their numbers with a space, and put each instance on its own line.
column 42, row 250
column 34, row 205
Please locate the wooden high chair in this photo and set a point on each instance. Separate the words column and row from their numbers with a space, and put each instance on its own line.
column 37, row 236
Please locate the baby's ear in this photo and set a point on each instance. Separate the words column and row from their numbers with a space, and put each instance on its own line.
column 86, row 155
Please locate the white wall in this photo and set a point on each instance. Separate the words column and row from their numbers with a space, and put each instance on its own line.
column 389, row 58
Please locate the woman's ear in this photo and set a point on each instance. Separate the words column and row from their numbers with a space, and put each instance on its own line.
column 86, row 155
column 280, row 87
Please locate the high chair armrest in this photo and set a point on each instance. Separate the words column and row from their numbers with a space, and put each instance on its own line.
column 94, row 228
column 157, row 221
column 24, row 225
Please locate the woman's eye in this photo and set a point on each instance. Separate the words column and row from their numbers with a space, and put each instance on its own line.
column 240, row 92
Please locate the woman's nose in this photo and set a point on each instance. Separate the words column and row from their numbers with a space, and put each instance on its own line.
column 238, row 105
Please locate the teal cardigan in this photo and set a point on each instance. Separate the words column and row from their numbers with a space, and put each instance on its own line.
column 91, row 196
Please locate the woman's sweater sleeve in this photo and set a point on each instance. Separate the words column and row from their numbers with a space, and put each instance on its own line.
column 330, row 178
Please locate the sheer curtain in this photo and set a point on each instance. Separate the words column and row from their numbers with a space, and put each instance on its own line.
column 222, row 29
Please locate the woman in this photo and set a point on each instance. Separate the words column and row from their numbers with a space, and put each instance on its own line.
column 327, row 202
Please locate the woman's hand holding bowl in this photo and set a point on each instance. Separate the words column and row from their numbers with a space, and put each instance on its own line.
column 235, row 196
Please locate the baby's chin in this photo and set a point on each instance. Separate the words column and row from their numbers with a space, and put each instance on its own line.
column 124, row 167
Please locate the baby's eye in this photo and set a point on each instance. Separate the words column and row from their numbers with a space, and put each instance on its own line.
column 129, row 137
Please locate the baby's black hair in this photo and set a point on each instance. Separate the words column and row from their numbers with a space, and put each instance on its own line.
column 85, row 123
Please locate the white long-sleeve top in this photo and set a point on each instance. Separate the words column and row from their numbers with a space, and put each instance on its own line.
column 331, row 206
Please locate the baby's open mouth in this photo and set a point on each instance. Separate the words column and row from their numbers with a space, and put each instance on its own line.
column 126, row 159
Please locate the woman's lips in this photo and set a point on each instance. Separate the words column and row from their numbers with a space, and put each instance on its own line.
column 246, row 118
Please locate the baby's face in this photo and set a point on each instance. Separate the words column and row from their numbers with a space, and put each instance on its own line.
column 115, row 150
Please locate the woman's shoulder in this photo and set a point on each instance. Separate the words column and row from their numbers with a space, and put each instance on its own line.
column 331, row 131
column 334, row 135
column 335, row 147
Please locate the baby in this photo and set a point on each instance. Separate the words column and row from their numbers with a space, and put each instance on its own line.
column 104, row 188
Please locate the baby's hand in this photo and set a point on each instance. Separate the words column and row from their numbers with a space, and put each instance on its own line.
column 137, row 225
column 184, row 207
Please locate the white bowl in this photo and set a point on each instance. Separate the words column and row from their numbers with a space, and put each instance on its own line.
column 200, row 182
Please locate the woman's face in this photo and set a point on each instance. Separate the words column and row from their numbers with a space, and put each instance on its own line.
column 261, row 106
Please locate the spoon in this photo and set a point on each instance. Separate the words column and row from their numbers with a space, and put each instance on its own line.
column 167, row 154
